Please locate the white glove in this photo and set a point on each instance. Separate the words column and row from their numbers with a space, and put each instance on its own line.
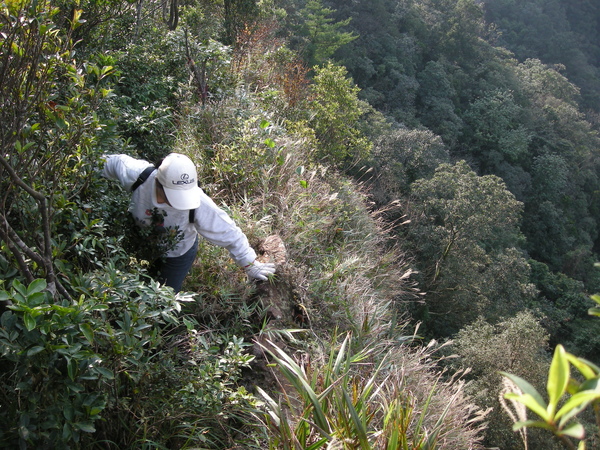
column 260, row 271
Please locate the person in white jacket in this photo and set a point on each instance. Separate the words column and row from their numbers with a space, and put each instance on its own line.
column 171, row 192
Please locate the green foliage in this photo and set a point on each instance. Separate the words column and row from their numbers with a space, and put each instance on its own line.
column 199, row 19
column 151, row 70
column 517, row 344
column 495, row 129
column 403, row 156
column 76, row 372
column 335, row 110
column 238, row 16
column 49, row 131
column 464, row 228
column 437, row 101
column 563, row 302
column 39, row 340
column 558, row 413
column 432, row 64
column 358, row 400
column 555, row 31
column 55, row 353
column 322, row 34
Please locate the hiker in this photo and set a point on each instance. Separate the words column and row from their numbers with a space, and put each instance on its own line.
column 171, row 193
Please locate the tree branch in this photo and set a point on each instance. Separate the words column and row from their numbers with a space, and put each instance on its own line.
column 6, row 233
column 19, row 182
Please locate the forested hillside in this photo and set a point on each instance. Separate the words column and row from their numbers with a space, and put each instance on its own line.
column 438, row 67
column 429, row 167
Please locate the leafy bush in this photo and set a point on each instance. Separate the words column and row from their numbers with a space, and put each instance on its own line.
column 49, row 129
column 97, row 368
column 335, row 112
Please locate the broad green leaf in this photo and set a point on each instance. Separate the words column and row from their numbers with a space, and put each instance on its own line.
column 72, row 368
column 36, row 299
column 531, row 403
column 531, row 423
column 37, row 286
column 30, row 322
column 574, row 430
column 87, row 427
column 264, row 123
column 20, row 288
column 62, row 310
column 525, row 387
column 95, row 410
column 16, row 49
column 576, row 403
column 596, row 298
column 586, row 369
column 590, row 364
column 106, row 70
column 106, row 373
column 69, row 412
column 35, row 350
column 87, row 331
column 75, row 387
column 99, row 307
column 558, row 378
column 591, row 385
column 594, row 311
column 76, row 18
column 67, row 433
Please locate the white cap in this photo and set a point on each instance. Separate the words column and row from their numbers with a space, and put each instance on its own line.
column 178, row 176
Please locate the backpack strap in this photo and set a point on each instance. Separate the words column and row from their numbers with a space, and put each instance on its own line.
column 143, row 177
column 193, row 211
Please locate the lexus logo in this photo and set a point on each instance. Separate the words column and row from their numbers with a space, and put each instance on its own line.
column 185, row 179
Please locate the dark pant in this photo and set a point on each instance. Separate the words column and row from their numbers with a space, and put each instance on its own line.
column 172, row 271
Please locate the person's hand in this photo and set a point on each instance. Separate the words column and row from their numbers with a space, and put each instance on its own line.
column 260, row 271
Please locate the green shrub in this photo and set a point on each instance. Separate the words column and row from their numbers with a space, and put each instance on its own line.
column 99, row 367
column 336, row 110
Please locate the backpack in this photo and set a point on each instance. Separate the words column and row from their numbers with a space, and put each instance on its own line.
column 144, row 176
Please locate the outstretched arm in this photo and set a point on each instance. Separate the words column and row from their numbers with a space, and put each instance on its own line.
column 123, row 168
column 219, row 229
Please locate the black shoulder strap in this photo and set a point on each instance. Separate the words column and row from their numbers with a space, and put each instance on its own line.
column 143, row 177
column 193, row 211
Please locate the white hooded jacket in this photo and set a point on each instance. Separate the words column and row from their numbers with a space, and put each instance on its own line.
column 210, row 221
